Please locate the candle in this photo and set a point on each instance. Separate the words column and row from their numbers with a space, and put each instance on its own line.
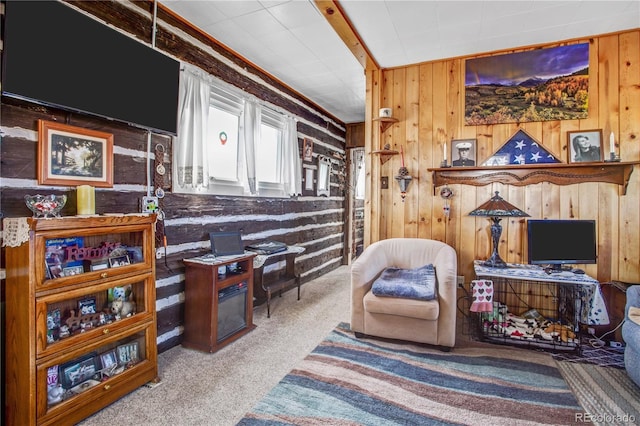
column 444, row 151
column 86, row 203
column 612, row 144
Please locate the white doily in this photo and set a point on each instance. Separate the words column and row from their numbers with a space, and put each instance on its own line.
column 15, row 231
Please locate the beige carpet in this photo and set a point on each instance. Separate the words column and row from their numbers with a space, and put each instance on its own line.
column 219, row 389
column 206, row 389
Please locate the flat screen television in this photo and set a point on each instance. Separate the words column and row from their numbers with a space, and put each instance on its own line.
column 560, row 242
column 55, row 55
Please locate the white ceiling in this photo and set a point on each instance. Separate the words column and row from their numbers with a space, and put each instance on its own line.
column 291, row 39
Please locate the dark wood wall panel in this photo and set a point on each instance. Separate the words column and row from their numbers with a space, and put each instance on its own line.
column 316, row 223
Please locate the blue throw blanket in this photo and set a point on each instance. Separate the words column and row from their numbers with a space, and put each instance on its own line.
column 419, row 283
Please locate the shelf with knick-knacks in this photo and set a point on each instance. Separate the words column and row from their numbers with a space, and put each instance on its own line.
column 385, row 122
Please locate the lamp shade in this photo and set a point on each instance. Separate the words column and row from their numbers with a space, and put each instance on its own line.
column 498, row 207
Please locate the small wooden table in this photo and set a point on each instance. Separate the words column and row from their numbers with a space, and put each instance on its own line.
column 218, row 304
column 289, row 277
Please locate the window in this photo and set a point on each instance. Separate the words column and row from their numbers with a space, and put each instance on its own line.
column 227, row 164
column 229, row 144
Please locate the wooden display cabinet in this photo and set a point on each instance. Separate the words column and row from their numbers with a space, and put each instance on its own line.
column 68, row 354
column 218, row 305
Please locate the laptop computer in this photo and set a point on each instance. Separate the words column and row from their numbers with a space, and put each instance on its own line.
column 226, row 243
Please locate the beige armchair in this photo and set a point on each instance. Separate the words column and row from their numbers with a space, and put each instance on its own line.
column 424, row 321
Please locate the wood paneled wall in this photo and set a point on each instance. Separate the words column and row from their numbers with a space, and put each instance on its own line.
column 316, row 223
column 428, row 100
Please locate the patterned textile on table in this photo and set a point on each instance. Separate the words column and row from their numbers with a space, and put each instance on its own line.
column 593, row 310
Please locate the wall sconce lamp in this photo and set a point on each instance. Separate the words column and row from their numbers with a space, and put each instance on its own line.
column 495, row 209
column 403, row 178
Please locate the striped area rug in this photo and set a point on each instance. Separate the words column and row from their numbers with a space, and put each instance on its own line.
column 349, row 381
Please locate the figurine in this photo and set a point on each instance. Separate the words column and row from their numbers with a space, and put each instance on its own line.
column 123, row 308
column 64, row 331
column 54, row 394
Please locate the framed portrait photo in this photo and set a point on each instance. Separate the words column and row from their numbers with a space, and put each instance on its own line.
column 71, row 156
column 585, row 146
column 463, row 152
column 307, row 150
column 108, row 359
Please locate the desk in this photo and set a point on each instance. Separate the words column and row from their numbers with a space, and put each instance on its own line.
column 264, row 290
column 563, row 297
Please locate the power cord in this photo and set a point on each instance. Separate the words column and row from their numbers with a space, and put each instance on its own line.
column 598, row 342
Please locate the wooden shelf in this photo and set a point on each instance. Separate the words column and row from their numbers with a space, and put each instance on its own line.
column 385, row 154
column 385, row 122
column 559, row 174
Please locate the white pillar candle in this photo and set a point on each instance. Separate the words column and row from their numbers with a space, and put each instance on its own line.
column 612, row 143
column 444, row 151
column 86, row 203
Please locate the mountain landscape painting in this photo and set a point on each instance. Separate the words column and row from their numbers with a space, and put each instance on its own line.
column 537, row 85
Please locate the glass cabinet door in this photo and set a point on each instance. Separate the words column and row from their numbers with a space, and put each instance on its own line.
column 95, row 371
column 88, row 254
column 68, row 318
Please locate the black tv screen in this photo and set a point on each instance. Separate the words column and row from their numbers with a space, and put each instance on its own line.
column 57, row 56
column 558, row 242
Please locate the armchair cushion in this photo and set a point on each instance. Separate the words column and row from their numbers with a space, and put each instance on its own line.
column 418, row 283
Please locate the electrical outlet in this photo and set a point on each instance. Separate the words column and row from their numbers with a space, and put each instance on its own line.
column 460, row 280
column 384, row 182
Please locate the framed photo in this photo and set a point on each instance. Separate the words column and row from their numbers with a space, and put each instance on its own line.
column 323, row 180
column 72, row 270
column 77, row 371
column 71, row 156
column 108, row 359
column 129, row 353
column 87, row 306
column 463, row 152
column 307, row 150
column 585, row 146
column 123, row 260
column 309, row 179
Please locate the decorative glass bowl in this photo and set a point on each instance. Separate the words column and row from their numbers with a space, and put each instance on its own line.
column 45, row 205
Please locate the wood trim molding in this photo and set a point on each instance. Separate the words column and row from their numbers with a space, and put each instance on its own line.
column 336, row 17
column 559, row 174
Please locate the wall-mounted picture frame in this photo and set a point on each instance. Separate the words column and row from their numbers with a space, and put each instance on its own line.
column 585, row 146
column 115, row 262
column 323, row 181
column 309, row 179
column 463, row 152
column 71, row 156
column 307, row 150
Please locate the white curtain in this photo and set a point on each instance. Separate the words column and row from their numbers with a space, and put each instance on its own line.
column 292, row 167
column 249, row 137
column 190, row 165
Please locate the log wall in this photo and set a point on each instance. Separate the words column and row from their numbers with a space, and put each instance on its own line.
column 428, row 100
column 316, row 223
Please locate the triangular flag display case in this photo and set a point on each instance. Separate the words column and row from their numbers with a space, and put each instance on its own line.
column 520, row 149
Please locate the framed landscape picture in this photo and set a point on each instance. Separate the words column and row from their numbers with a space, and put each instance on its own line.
column 71, row 156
